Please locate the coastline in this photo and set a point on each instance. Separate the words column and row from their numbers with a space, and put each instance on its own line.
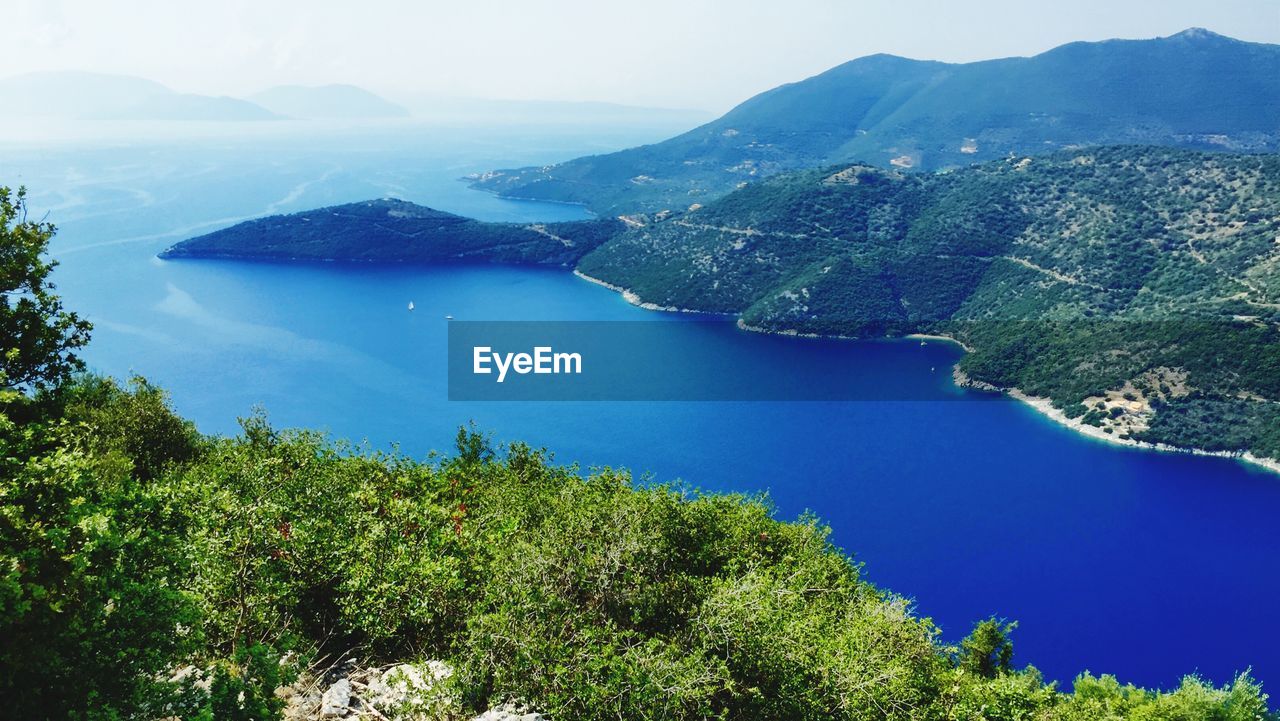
column 1045, row 407
column 472, row 184
column 634, row 299
column 787, row 332
column 943, row 338
column 1042, row 405
column 909, row 336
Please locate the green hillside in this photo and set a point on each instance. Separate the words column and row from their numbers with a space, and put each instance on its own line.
column 391, row 231
column 1194, row 89
column 1142, row 279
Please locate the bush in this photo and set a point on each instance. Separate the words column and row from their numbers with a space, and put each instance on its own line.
column 585, row 595
column 91, row 606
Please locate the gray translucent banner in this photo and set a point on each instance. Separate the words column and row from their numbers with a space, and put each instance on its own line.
column 686, row 360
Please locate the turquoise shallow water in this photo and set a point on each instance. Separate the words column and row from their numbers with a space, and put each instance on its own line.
column 1143, row 564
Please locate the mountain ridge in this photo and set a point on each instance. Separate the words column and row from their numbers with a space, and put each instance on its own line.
column 84, row 95
column 1194, row 89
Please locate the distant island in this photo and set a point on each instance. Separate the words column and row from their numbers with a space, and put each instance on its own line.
column 1134, row 289
column 1195, row 89
column 89, row 96
column 388, row 230
column 93, row 97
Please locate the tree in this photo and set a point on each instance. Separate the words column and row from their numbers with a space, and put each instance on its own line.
column 37, row 337
column 987, row 651
column 93, row 618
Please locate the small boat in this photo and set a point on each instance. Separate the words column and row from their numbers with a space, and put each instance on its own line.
column 923, row 343
column 410, row 305
column 448, row 317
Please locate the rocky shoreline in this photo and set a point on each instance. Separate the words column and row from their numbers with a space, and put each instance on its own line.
column 1045, row 407
column 1042, row 405
column 634, row 299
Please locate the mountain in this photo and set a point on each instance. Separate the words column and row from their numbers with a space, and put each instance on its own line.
column 1195, row 89
column 397, row 231
column 1113, row 230
column 73, row 94
column 1135, row 288
column 98, row 96
column 327, row 102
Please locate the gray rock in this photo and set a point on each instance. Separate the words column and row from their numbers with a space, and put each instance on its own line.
column 337, row 700
column 509, row 711
column 197, row 677
column 413, row 692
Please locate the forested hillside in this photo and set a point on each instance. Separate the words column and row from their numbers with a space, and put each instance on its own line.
column 391, row 231
column 1195, row 89
column 1146, row 280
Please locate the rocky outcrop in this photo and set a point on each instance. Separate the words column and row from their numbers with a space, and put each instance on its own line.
column 509, row 711
column 336, row 701
column 403, row 692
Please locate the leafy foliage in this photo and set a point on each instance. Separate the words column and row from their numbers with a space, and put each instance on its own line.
column 91, row 604
column 586, row 595
column 988, row 651
column 37, row 337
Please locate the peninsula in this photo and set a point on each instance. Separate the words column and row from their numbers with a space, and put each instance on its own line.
column 1137, row 289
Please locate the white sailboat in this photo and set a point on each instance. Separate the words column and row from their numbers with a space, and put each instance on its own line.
column 410, row 305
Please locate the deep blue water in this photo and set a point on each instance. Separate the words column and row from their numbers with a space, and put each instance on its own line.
column 1142, row 564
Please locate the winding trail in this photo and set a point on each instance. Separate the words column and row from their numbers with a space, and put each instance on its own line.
column 1056, row 275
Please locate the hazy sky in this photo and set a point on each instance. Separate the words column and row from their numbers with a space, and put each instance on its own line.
column 707, row 54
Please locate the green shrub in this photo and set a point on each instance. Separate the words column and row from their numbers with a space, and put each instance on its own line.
column 92, row 610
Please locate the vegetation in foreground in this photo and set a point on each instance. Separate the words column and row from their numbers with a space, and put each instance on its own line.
column 132, row 546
